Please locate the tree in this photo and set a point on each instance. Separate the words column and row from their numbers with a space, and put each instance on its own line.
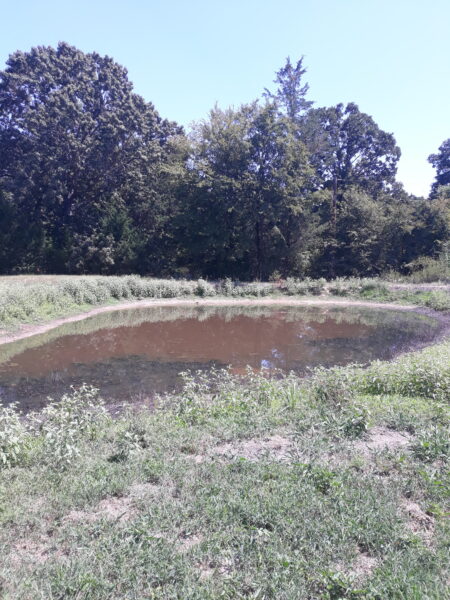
column 250, row 206
column 441, row 162
column 348, row 150
column 291, row 94
column 81, row 155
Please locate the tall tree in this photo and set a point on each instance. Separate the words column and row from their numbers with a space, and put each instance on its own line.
column 441, row 162
column 251, row 205
column 76, row 144
column 291, row 91
column 348, row 151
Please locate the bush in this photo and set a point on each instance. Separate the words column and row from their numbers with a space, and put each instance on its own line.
column 349, row 421
column 226, row 287
column 427, row 269
column 425, row 374
column 14, row 437
column 438, row 300
column 64, row 424
column 204, row 288
column 293, row 286
column 432, row 445
column 332, row 386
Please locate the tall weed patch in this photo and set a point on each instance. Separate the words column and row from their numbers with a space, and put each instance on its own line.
column 55, row 435
column 63, row 425
column 22, row 303
column 425, row 373
column 13, row 437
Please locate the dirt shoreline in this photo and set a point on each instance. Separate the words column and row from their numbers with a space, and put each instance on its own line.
column 34, row 329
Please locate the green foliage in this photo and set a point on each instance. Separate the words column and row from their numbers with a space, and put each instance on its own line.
column 83, row 155
column 291, row 94
column 332, row 386
column 349, row 421
column 65, row 424
column 25, row 301
column 426, row 269
column 441, row 162
column 204, row 288
column 438, row 300
column 425, row 374
column 249, row 206
column 336, row 586
column 321, row 478
column 432, row 444
column 13, row 437
column 293, row 286
column 22, row 303
column 92, row 180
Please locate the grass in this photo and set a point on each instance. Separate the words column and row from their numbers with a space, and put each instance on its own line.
column 334, row 487
column 34, row 299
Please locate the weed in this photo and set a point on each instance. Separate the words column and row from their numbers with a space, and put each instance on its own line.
column 332, row 386
column 63, row 425
column 425, row 373
column 432, row 444
column 13, row 437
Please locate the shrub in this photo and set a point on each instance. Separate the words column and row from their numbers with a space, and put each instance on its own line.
column 432, row 445
column 293, row 286
column 425, row 373
column 14, row 437
column 204, row 288
column 438, row 300
column 226, row 287
column 332, row 386
column 426, row 269
column 64, row 424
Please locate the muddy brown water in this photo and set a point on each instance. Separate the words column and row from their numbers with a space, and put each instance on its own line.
column 131, row 355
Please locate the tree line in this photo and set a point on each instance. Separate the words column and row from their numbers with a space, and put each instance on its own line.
column 93, row 180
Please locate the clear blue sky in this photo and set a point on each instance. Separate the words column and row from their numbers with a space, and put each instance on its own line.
column 391, row 57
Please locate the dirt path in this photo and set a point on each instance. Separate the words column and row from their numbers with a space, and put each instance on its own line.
column 30, row 330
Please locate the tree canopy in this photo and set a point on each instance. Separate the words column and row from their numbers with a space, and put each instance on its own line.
column 81, row 156
column 441, row 162
column 92, row 179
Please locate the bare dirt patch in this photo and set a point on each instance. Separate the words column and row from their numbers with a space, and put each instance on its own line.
column 34, row 551
column 381, row 438
column 418, row 521
column 210, row 569
column 111, row 509
column 121, row 508
column 275, row 447
column 361, row 568
column 186, row 542
column 139, row 490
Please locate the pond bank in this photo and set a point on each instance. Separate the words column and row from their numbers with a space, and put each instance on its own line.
column 29, row 330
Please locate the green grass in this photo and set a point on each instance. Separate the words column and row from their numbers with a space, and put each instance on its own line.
column 33, row 299
column 333, row 487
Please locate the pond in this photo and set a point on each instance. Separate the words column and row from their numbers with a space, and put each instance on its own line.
column 131, row 355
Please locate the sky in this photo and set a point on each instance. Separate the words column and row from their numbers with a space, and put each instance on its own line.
column 391, row 57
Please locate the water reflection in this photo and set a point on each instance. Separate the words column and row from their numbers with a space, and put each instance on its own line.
column 133, row 354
